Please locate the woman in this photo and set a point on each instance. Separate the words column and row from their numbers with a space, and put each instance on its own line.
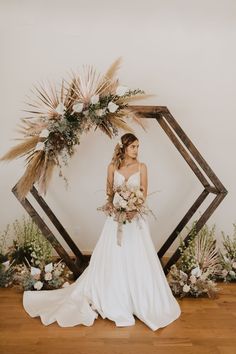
column 121, row 280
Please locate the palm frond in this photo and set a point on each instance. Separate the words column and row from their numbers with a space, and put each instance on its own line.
column 21, row 149
column 31, row 175
column 121, row 124
column 109, row 75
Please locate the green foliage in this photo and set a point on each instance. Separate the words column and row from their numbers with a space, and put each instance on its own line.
column 30, row 244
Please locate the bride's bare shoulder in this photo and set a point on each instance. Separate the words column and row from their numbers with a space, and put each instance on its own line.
column 111, row 167
column 143, row 167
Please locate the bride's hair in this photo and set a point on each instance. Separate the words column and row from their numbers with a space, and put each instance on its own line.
column 119, row 151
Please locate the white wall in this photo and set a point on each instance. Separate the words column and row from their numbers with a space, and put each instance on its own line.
column 182, row 51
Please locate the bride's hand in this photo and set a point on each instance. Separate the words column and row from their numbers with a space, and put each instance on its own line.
column 109, row 207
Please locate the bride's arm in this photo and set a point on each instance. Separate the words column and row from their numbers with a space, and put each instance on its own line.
column 144, row 179
column 109, row 184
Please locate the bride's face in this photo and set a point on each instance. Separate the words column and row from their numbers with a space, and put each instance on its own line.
column 132, row 150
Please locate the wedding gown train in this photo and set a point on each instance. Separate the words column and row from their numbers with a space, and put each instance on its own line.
column 119, row 282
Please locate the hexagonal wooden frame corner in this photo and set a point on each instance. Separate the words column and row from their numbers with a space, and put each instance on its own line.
column 191, row 155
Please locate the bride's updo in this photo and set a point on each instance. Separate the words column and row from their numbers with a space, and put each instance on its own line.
column 119, row 151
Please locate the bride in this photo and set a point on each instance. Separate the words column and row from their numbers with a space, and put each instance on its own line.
column 122, row 280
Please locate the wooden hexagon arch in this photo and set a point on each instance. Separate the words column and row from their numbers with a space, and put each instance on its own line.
column 191, row 156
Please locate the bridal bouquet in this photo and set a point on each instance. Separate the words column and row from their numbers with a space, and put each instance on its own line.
column 127, row 200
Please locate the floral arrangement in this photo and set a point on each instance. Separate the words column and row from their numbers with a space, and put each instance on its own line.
column 195, row 271
column 28, row 263
column 51, row 276
column 228, row 257
column 126, row 199
column 58, row 117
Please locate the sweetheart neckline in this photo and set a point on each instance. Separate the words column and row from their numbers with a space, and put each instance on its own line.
column 129, row 176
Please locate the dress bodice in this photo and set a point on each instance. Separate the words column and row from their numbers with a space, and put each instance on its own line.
column 133, row 180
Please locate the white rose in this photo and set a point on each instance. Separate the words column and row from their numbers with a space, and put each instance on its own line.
column 186, row 288
column 48, row 267
column 224, row 272
column 39, row 146
column 38, row 285
column 121, row 90
column 234, row 265
column 232, row 273
column 60, row 108
column 44, row 133
column 78, row 107
column 48, row 276
column 112, row 107
column 65, row 284
column 100, row 112
column 35, row 271
column 193, row 279
column 94, row 99
column 123, row 204
column 196, row 271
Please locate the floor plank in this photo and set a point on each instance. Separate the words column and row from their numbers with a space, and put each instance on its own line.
column 206, row 326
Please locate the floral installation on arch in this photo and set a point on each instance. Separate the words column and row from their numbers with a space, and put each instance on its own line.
column 59, row 117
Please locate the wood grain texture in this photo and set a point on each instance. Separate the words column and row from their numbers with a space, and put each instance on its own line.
column 205, row 327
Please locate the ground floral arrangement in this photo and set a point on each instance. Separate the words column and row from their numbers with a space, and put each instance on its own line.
column 60, row 115
column 202, row 264
column 26, row 262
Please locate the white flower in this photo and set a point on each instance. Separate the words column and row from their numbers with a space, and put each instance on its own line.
column 48, row 276
column 112, row 107
column 78, row 107
column 60, row 108
column 232, row 273
column 38, row 285
column 123, row 204
column 120, row 143
column 6, row 264
column 121, row 90
column 33, row 254
column 196, row 271
column 65, row 284
column 224, row 272
column 193, row 279
column 139, row 194
column 94, row 99
column 48, row 267
column 39, row 146
column 186, row 288
column 100, row 112
column 35, row 271
column 44, row 133
column 234, row 265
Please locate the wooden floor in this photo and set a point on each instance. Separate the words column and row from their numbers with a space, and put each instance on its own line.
column 206, row 326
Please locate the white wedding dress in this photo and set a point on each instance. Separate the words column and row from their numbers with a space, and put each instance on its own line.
column 119, row 282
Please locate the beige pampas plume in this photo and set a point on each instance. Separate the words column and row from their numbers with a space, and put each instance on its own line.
column 21, row 149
